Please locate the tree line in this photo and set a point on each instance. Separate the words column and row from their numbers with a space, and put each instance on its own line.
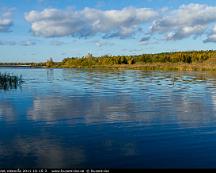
column 186, row 57
column 167, row 57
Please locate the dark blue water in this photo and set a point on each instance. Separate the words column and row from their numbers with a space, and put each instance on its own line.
column 63, row 118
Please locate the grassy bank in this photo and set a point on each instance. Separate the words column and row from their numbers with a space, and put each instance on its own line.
column 166, row 66
column 153, row 66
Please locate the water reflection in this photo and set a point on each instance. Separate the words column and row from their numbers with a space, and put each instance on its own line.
column 125, row 96
column 44, row 152
column 7, row 111
column 93, row 118
column 50, row 74
column 84, row 109
column 147, row 108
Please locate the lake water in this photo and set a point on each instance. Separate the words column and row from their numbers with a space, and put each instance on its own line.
column 71, row 118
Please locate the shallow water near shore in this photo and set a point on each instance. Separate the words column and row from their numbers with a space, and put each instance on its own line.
column 74, row 118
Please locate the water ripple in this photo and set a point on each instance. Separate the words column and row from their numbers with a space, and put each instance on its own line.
column 133, row 118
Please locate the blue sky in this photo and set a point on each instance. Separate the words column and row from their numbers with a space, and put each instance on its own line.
column 35, row 30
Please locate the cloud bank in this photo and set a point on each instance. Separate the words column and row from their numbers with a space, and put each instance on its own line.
column 88, row 22
column 191, row 20
column 187, row 20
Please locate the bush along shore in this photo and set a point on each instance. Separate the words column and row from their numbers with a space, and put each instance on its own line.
column 181, row 61
column 8, row 81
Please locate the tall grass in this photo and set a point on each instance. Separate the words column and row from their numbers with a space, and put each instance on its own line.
column 8, row 81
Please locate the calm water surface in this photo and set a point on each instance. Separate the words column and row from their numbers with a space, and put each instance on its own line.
column 68, row 118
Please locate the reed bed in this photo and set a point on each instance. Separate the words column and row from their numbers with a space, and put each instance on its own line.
column 9, row 81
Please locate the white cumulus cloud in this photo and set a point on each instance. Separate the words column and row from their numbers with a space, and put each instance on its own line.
column 187, row 20
column 190, row 20
column 88, row 22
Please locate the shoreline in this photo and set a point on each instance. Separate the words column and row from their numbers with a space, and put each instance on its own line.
column 144, row 67
column 149, row 67
column 169, row 61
